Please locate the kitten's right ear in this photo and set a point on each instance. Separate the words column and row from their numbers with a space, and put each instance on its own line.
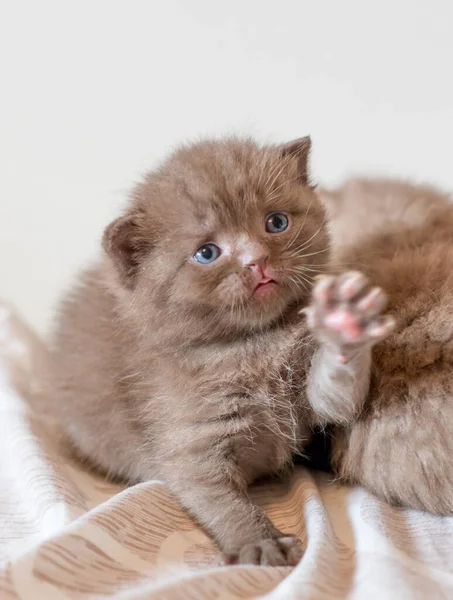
column 126, row 243
column 300, row 149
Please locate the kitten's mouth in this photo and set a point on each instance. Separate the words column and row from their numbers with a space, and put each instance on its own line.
column 265, row 286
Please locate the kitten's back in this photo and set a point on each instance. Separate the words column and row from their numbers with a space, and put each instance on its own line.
column 363, row 211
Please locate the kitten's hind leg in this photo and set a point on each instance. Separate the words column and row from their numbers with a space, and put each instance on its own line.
column 346, row 317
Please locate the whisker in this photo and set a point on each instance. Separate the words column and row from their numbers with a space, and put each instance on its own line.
column 300, row 272
column 297, row 282
column 308, row 282
column 299, row 278
column 313, row 253
column 275, row 190
column 293, row 238
column 300, row 249
column 307, row 271
column 307, row 211
column 299, row 229
column 282, row 168
column 263, row 165
column 299, row 253
column 314, row 267
column 305, row 283
column 304, row 245
column 271, row 172
column 309, row 277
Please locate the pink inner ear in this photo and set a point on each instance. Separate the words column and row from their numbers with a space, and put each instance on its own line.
column 125, row 245
column 118, row 237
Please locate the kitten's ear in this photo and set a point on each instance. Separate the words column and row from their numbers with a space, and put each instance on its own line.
column 300, row 149
column 126, row 242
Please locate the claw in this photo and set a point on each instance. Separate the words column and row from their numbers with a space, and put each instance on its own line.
column 383, row 328
column 352, row 285
column 322, row 288
column 376, row 300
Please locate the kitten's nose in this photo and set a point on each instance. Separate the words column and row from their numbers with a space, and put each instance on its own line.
column 257, row 265
column 254, row 258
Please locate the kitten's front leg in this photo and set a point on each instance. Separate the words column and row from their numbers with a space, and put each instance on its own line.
column 210, row 485
column 346, row 316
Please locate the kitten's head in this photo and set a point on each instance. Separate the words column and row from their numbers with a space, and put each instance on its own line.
column 226, row 232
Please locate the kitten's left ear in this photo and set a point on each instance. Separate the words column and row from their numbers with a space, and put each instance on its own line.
column 127, row 241
column 300, row 149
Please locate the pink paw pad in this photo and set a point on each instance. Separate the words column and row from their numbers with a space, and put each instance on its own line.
column 343, row 322
column 348, row 313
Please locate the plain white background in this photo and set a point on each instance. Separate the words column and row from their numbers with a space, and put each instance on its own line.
column 95, row 92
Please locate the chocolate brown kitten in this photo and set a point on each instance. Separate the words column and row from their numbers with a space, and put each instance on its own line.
column 401, row 445
column 181, row 354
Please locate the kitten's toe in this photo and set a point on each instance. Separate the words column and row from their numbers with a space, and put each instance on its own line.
column 382, row 327
column 293, row 549
column 280, row 552
column 372, row 304
column 333, row 290
column 349, row 285
column 323, row 289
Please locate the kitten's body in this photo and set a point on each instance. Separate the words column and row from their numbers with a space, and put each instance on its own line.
column 164, row 395
column 401, row 446
column 167, row 368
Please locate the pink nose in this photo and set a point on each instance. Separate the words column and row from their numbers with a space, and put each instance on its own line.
column 256, row 264
column 254, row 257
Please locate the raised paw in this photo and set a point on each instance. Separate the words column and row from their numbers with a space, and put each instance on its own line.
column 347, row 312
column 279, row 552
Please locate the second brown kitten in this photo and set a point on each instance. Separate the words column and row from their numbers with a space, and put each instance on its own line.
column 400, row 446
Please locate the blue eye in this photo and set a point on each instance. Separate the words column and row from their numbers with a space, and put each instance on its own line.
column 276, row 222
column 207, row 254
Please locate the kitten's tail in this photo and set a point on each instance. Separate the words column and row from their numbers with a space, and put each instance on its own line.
column 24, row 361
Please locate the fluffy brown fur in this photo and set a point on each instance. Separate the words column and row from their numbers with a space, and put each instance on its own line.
column 167, row 368
column 401, row 446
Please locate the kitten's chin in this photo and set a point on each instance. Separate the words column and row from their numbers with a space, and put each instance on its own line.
column 267, row 304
